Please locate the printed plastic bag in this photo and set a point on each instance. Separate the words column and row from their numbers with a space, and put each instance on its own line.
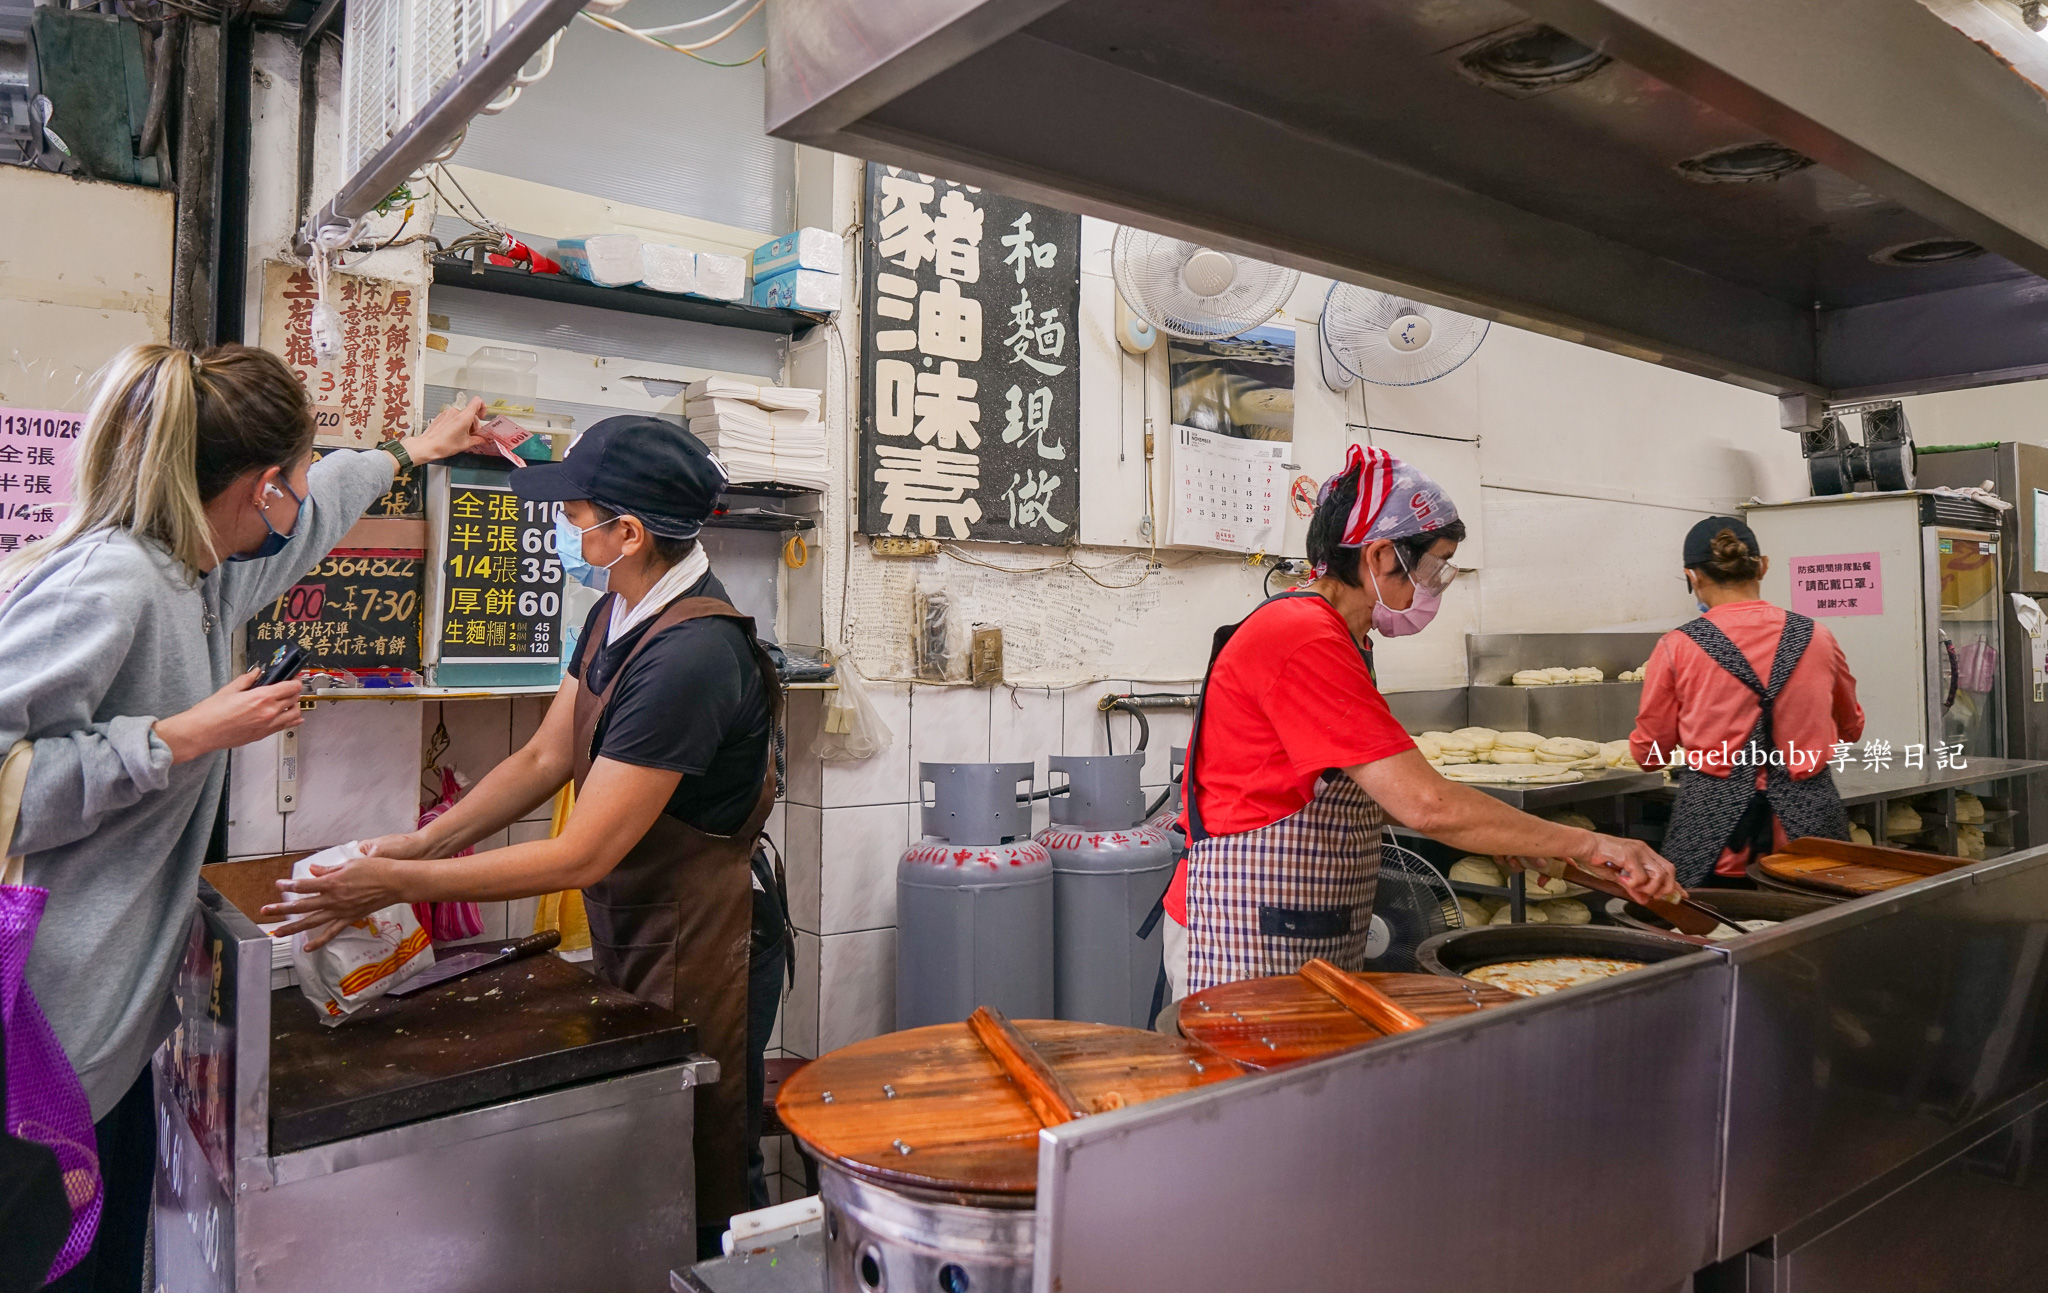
column 446, row 922
column 366, row 960
column 851, row 729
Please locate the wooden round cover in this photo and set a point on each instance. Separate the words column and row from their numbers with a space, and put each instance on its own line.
column 956, row 1122
column 1270, row 1023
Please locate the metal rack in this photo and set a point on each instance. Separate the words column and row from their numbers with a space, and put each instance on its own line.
column 455, row 271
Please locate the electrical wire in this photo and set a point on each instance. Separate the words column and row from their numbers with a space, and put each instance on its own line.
column 645, row 39
column 650, row 33
column 705, row 21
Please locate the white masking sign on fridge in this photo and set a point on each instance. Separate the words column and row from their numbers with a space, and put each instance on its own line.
column 1227, row 492
column 2041, row 530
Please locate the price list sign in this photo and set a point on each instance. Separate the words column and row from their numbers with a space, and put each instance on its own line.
column 38, row 450
column 358, row 610
column 501, row 582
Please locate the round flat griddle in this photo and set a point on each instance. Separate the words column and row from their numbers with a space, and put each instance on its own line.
column 933, row 1109
column 1273, row 1022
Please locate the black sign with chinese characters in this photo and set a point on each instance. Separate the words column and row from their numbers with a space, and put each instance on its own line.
column 359, row 609
column 404, row 498
column 501, row 583
column 971, row 394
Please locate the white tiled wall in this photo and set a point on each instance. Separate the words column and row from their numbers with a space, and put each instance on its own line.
column 850, row 822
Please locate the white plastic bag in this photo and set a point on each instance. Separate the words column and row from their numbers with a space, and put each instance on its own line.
column 366, row 960
column 851, row 728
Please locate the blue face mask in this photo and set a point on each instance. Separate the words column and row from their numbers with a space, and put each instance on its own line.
column 569, row 547
column 273, row 542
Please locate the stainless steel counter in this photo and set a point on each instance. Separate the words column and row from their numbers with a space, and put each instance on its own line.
column 1605, row 783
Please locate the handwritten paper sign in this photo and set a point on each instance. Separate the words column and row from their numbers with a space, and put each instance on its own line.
column 367, row 394
column 38, row 460
column 1847, row 583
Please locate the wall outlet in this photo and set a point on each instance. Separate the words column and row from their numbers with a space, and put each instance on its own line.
column 889, row 545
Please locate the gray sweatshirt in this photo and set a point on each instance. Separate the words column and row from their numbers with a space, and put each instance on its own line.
column 99, row 642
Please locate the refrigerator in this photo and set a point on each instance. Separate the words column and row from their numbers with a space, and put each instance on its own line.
column 1911, row 585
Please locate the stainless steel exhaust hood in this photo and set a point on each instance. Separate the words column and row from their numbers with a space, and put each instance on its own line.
column 1814, row 196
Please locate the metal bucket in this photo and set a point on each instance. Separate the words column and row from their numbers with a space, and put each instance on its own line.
column 879, row 1239
column 1460, row 951
column 1736, row 904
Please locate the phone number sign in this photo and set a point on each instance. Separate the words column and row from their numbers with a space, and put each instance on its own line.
column 38, row 457
column 359, row 609
column 501, row 582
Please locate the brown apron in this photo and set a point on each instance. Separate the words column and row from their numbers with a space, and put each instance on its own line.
column 673, row 922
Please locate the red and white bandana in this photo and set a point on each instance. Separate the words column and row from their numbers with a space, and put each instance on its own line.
column 1394, row 499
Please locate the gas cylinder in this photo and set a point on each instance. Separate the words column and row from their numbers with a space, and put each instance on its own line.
column 974, row 900
column 1109, row 868
column 1168, row 817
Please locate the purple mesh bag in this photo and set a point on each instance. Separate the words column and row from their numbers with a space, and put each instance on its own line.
column 45, row 1102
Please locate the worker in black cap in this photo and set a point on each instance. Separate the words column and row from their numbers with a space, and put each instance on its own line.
column 1756, row 697
column 664, row 723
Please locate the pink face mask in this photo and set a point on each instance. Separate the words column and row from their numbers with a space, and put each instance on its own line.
column 1400, row 624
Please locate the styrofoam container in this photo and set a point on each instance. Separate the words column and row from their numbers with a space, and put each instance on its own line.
column 798, row 289
column 818, row 249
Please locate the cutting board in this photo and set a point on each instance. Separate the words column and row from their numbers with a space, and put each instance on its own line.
column 1834, row 866
column 931, row 1107
column 1271, row 1023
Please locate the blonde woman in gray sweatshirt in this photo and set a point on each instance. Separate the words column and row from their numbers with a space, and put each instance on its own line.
column 197, row 503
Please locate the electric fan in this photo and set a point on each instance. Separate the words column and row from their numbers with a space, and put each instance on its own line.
column 1411, row 903
column 1187, row 290
column 1391, row 341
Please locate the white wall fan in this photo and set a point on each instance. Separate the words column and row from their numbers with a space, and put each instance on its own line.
column 1190, row 291
column 1390, row 340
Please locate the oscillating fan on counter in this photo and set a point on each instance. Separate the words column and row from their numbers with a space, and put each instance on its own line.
column 1198, row 293
column 1392, row 341
column 1413, row 902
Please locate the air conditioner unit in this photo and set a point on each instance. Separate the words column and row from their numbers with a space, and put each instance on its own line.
column 414, row 73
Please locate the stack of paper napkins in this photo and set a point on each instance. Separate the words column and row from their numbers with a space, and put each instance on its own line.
column 623, row 259
column 760, row 433
column 799, row 271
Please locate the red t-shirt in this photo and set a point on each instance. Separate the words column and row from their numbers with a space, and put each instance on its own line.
column 1289, row 698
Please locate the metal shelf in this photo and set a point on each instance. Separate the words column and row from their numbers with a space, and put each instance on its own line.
column 568, row 290
column 784, row 521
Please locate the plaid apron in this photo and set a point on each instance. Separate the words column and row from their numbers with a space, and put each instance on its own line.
column 1715, row 813
column 1267, row 901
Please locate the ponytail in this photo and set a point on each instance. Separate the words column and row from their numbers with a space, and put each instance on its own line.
column 168, row 430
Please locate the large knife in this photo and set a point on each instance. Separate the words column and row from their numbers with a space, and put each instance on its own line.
column 454, row 967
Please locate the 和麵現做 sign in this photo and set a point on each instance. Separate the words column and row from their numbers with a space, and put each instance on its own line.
column 970, row 350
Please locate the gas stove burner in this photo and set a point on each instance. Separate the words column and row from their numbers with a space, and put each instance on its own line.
column 1927, row 251
column 1744, row 164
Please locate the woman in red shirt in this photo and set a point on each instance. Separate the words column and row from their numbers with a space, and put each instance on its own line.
column 1746, row 685
column 1296, row 763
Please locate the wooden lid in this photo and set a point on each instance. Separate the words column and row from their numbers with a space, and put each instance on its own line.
column 1271, row 1023
column 965, row 1123
column 1856, row 869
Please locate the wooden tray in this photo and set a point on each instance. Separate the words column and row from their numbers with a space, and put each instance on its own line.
column 939, row 1094
column 1271, row 1023
column 1833, row 866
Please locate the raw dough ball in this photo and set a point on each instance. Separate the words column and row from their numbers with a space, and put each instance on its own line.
column 1430, row 749
column 1567, row 911
column 1474, row 914
column 1901, row 820
column 1478, row 871
column 1587, row 673
column 1559, row 673
column 1857, row 835
column 1969, row 808
column 1543, row 886
column 1969, row 842
column 1508, row 754
column 1517, row 741
column 1531, row 915
column 1451, row 757
column 1529, row 678
column 1565, row 749
column 1482, row 738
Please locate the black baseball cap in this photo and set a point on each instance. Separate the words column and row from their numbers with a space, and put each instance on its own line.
column 647, row 466
column 1699, row 540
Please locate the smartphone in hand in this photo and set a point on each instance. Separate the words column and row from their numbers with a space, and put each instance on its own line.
column 285, row 663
